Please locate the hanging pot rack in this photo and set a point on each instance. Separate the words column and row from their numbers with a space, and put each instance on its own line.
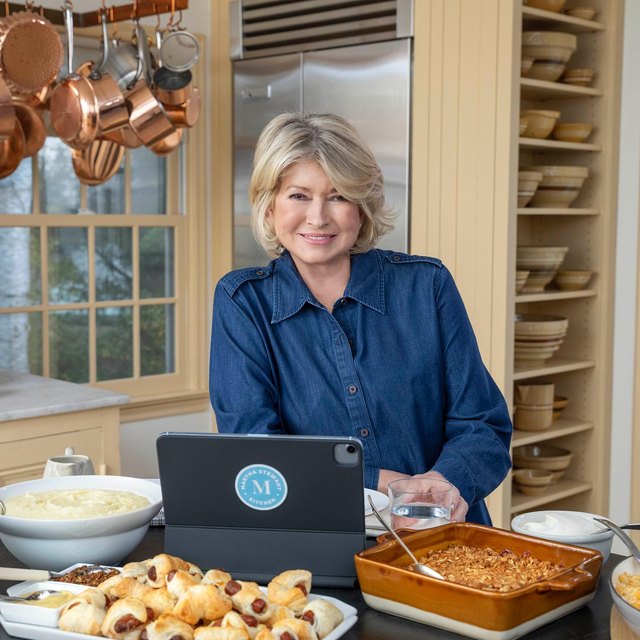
column 117, row 13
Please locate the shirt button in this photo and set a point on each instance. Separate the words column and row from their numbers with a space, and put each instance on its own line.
column 259, row 272
column 352, row 389
column 397, row 258
column 343, row 301
column 364, row 432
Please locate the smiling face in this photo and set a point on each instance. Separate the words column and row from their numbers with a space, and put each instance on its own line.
column 312, row 220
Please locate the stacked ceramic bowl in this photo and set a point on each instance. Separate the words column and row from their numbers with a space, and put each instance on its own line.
column 582, row 77
column 534, row 406
column 560, row 185
column 546, row 5
column 521, row 278
column 537, row 338
column 542, row 263
column 551, row 51
column 543, row 456
column 540, row 122
column 528, row 182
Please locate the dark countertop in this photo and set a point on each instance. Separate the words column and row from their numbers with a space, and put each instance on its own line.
column 588, row 623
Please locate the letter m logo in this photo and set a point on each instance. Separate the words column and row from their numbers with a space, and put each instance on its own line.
column 262, row 488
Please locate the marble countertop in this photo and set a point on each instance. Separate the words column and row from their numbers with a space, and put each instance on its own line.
column 27, row 396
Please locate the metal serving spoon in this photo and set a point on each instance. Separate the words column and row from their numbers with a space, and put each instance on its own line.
column 630, row 544
column 12, row 573
column 633, row 525
column 36, row 595
column 418, row 566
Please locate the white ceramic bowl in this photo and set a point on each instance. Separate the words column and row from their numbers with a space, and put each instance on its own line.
column 583, row 521
column 56, row 544
column 630, row 613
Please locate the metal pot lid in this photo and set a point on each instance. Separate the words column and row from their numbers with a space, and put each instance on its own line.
column 25, row 37
column 179, row 50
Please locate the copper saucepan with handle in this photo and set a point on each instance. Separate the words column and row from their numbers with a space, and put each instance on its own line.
column 73, row 104
column 98, row 162
column 11, row 150
column 7, row 111
column 33, row 127
column 147, row 116
column 112, row 108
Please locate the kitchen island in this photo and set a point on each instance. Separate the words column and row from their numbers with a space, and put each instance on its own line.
column 591, row 622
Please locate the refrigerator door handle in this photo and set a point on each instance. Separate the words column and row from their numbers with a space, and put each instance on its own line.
column 255, row 94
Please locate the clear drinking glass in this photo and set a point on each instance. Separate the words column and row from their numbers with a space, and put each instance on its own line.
column 419, row 503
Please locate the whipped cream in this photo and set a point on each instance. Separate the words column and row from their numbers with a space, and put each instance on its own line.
column 563, row 524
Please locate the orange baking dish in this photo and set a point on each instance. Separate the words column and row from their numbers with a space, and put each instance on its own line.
column 487, row 615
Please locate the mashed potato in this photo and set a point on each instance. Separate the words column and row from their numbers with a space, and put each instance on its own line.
column 73, row 504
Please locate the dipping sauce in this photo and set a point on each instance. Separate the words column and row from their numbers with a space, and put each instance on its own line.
column 73, row 504
column 53, row 601
column 563, row 524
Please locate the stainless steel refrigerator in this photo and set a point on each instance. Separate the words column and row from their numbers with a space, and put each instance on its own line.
column 369, row 84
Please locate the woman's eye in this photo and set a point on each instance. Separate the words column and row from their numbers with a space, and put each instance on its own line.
column 297, row 196
column 338, row 198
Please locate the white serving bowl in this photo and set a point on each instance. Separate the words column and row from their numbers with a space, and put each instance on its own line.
column 630, row 613
column 598, row 541
column 56, row 544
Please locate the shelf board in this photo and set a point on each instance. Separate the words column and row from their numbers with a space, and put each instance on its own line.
column 569, row 23
column 532, row 88
column 537, row 143
column 548, row 296
column 564, row 488
column 566, row 211
column 560, row 427
column 553, row 366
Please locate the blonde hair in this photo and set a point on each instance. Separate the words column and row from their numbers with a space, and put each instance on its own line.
column 337, row 147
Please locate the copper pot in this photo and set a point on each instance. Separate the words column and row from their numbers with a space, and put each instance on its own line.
column 30, row 52
column 33, row 127
column 11, row 150
column 187, row 113
column 167, row 144
column 98, row 162
column 73, row 103
column 124, row 136
column 147, row 116
column 172, row 87
column 7, row 111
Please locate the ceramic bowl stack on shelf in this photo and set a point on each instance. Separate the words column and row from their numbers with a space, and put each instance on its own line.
column 540, row 123
column 532, row 482
column 543, row 456
column 560, row 185
column 521, row 278
column 537, row 338
column 572, row 131
column 578, row 77
column 542, row 263
column 528, row 182
column 573, row 279
column 583, row 13
column 559, row 405
column 546, row 5
column 533, row 406
column 551, row 51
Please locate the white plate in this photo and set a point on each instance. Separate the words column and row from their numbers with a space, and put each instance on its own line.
column 380, row 501
column 35, row 632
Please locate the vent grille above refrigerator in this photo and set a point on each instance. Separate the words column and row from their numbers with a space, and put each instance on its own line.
column 270, row 27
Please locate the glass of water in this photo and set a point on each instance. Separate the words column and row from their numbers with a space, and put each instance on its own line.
column 419, row 503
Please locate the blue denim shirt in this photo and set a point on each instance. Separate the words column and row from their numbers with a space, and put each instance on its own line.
column 396, row 365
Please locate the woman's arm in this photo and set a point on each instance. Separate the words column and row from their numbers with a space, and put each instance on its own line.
column 242, row 385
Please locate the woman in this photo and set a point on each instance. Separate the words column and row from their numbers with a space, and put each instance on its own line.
column 335, row 337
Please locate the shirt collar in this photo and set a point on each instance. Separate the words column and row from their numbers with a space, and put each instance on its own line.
column 290, row 293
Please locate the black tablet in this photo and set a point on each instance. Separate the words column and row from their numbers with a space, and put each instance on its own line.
column 256, row 505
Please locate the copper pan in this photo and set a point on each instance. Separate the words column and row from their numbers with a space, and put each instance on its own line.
column 167, row 144
column 172, row 87
column 98, row 162
column 124, row 136
column 73, row 104
column 7, row 111
column 147, row 116
column 33, row 127
column 187, row 113
column 11, row 150
column 31, row 52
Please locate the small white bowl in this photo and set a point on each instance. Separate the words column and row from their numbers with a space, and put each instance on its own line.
column 32, row 613
column 630, row 613
column 56, row 544
column 583, row 520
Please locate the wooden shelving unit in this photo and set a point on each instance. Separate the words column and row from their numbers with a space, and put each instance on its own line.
column 581, row 370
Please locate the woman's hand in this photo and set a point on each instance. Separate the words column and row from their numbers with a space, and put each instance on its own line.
column 459, row 506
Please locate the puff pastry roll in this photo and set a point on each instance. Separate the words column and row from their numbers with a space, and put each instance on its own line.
column 91, row 595
column 179, row 581
column 293, row 629
column 167, row 627
column 244, row 621
column 265, row 634
column 323, row 616
column 220, row 633
column 217, row 577
column 195, row 570
column 125, row 619
column 279, row 612
column 247, row 597
column 290, row 589
column 202, row 602
column 81, row 616
column 118, row 587
column 160, row 566
column 160, row 600
column 137, row 570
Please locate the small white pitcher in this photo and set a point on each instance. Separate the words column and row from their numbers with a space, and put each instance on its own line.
column 68, row 465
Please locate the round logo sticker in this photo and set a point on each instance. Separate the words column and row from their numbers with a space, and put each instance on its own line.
column 261, row 487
